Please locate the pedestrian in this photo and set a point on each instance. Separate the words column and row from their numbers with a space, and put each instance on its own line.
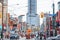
column 37, row 36
column 45, row 37
column 40, row 36
column 27, row 36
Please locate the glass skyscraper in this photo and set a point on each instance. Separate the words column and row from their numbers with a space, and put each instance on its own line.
column 32, row 16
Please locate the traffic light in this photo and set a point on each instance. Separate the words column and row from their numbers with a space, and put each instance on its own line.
column 42, row 15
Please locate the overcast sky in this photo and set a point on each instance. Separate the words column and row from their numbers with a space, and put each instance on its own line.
column 42, row 6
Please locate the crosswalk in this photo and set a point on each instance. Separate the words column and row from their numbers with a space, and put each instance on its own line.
column 19, row 39
column 22, row 38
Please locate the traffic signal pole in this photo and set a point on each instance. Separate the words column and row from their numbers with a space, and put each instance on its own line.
column 49, row 24
column 53, row 21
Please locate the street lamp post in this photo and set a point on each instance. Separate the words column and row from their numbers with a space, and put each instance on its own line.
column 53, row 18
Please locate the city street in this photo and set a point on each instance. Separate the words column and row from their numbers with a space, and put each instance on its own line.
column 19, row 39
column 30, row 19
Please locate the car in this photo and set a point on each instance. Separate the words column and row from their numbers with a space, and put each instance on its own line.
column 12, row 32
column 54, row 38
column 58, row 37
column 14, row 36
column 51, row 38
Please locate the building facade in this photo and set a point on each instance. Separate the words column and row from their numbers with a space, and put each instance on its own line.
column 20, row 18
column 0, row 13
column 5, row 6
column 32, row 16
column 4, row 10
column 58, row 19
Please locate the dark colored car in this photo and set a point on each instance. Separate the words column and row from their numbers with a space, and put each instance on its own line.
column 14, row 36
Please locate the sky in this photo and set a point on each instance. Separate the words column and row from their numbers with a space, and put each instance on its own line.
column 21, row 9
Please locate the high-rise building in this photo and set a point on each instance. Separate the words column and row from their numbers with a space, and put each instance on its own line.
column 32, row 7
column 58, row 5
column 20, row 21
column 32, row 16
column 20, row 18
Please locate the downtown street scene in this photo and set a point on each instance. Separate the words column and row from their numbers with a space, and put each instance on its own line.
column 29, row 19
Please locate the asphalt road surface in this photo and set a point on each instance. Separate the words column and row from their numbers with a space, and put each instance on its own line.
column 18, row 39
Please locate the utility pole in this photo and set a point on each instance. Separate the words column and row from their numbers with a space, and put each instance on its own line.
column 2, row 19
column 30, row 16
column 49, row 23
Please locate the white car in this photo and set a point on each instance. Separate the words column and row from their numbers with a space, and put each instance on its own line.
column 58, row 37
column 12, row 32
column 51, row 38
